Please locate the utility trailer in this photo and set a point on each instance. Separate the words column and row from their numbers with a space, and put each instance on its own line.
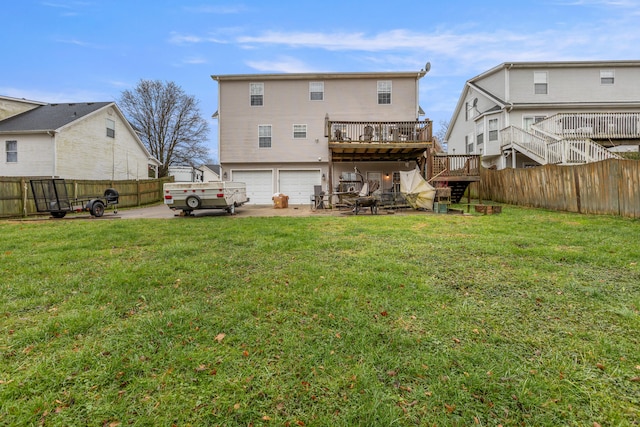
column 50, row 195
column 190, row 196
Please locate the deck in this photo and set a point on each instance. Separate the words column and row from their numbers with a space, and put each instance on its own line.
column 351, row 141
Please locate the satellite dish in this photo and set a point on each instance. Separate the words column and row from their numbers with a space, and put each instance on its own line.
column 427, row 66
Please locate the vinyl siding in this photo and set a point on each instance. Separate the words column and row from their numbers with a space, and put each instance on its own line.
column 286, row 102
column 35, row 156
column 576, row 85
column 85, row 152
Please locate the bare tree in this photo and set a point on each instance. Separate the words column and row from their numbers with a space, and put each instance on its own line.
column 441, row 133
column 168, row 122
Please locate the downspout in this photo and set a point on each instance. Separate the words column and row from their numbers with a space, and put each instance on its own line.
column 52, row 135
column 217, row 79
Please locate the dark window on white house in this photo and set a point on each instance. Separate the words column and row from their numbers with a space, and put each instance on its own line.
column 493, row 129
column 540, row 82
column 384, row 92
column 479, row 133
column 11, row 148
column 257, row 94
column 299, row 131
column 111, row 128
column 316, row 91
column 264, row 136
column 607, row 77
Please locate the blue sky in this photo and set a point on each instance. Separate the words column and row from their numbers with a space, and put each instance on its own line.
column 92, row 50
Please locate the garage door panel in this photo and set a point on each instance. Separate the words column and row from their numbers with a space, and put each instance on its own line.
column 259, row 185
column 298, row 185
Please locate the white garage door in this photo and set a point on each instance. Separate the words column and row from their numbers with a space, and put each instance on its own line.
column 298, row 185
column 259, row 185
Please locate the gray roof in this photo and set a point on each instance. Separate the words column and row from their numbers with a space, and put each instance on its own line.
column 49, row 117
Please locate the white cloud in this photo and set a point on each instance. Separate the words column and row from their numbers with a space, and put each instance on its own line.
column 281, row 65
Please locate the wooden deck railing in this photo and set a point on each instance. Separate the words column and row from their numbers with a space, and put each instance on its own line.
column 454, row 165
column 380, row 132
column 591, row 125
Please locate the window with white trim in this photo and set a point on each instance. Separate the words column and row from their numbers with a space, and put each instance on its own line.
column 384, row 92
column 527, row 121
column 111, row 128
column 479, row 133
column 468, row 142
column 607, row 77
column 299, row 131
column 540, row 82
column 11, row 148
column 493, row 130
column 264, row 136
column 257, row 94
column 316, row 91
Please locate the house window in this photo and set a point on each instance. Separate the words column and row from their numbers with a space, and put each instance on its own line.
column 300, row 131
column 607, row 77
column 316, row 91
column 111, row 128
column 264, row 136
column 257, row 94
column 468, row 142
column 11, row 147
column 384, row 92
column 479, row 133
column 493, row 130
column 527, row 121
column 466, row 111
column 540, row 82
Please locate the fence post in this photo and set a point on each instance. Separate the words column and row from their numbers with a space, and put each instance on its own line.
column 23, row 190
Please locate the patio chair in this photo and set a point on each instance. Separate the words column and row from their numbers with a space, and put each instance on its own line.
column 367, row 136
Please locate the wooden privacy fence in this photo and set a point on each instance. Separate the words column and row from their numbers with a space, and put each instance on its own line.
column 16, row 199
column 609, row 187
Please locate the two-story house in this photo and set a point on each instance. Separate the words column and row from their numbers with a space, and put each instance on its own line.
column 88, row 140
column 290, row 133
column 525, row 114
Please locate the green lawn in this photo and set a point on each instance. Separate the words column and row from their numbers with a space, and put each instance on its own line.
column 526, row 318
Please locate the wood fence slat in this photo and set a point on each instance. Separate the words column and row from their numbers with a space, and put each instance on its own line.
column 132, row 193
column 609, row 187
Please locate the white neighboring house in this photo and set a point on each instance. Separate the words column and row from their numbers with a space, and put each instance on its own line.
column 211, row 172
column 89, row 140
column 186, row 174
column 524, row 114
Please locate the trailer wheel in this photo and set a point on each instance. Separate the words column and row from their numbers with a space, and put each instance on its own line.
column 193, row 202
column 231, row 209
column 58, row 214
column 97, row 209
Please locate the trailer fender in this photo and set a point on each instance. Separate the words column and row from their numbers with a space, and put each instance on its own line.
column 95, row 207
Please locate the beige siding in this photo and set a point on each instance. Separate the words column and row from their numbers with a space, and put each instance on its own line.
column 286, row 102
column 10, row 107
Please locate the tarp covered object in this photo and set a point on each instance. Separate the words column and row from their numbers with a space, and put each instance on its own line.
column 418, row 192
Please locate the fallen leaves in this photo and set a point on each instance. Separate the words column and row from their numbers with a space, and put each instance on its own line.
column 220, row 337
